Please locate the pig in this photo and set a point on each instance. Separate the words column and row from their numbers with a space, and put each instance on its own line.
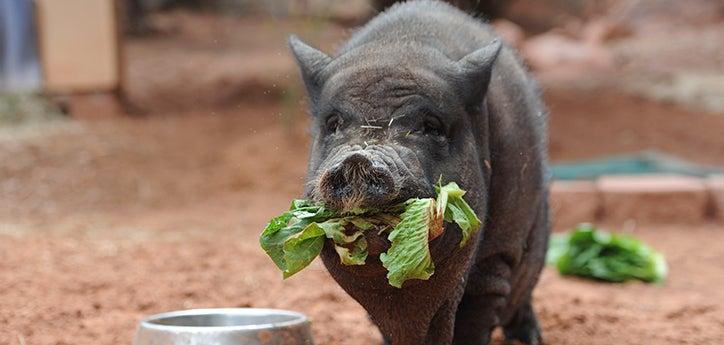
column 485, row 8
column 424, row 92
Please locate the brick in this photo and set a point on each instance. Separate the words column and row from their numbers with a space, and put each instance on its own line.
column 653, row 198
column 573, row 202
column 715, row 185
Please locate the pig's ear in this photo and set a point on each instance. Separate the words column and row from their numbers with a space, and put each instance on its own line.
column 311, row 63
column 474, row 71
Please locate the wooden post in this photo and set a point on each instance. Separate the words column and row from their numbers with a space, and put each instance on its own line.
column 81, row 54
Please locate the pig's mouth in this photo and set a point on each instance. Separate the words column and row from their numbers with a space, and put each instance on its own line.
column 377, row 243
column 392, row 207
column 373, row 180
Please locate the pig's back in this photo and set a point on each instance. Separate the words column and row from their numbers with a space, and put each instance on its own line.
column 456, row 34
column 432, row 23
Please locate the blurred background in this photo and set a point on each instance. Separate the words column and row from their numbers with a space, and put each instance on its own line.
column 145, row 143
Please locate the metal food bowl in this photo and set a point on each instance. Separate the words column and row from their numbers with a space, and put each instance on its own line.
column 225, row 326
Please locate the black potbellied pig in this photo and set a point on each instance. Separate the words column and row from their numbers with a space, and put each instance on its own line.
column 423, row 91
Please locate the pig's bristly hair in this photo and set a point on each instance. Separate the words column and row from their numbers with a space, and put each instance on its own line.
column 320, row 189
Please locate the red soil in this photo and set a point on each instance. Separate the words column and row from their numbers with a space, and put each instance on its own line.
column 105, row 222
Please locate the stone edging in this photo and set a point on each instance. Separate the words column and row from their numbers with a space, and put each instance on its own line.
column 641, row 198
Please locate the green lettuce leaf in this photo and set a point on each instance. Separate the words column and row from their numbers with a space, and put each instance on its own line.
column 285, row 227
column 295, row 238
column 590, row 253
column 356, row 255
column 335, row 229
column 302, row 248
column 409, row 255
column 275, row 234
column 450, row 199
column 351, row 248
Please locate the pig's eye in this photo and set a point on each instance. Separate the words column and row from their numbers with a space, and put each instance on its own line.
column 333, row 123
column 433, row 126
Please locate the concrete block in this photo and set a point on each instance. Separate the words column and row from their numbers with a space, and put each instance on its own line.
column 715, row 185
column 653, row 198
column 573, row 202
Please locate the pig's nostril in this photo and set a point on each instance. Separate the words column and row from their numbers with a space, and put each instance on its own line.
column 356, row 161
column 376, row 188
column 379, row 184
column 337, row 185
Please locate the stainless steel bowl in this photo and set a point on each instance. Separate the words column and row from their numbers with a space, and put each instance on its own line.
column 225, row 326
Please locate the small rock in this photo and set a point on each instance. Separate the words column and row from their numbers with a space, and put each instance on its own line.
column 510, row 32
column 550, row 50
column 601, row 30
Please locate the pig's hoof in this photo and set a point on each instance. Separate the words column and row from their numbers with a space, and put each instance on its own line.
column 524, row 327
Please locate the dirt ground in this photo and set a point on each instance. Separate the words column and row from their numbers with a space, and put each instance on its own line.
column 103, row 222
column 93, row 289
column 113, row 230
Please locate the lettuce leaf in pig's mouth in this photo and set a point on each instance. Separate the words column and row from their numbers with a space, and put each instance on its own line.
column 409, row 255
column 295, row 238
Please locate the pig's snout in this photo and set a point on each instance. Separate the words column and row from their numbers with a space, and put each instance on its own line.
column 357, row 181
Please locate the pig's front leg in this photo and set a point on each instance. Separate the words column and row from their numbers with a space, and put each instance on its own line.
column 441, row 328
column 486, row 293
column 442, row 325
column 476, row 319
column 440, row 331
